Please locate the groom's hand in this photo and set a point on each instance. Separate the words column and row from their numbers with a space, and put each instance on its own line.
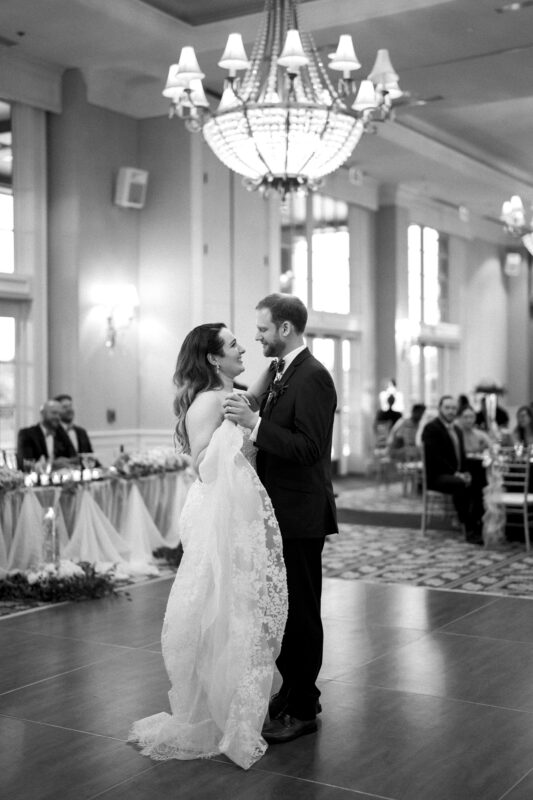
column 237, row 410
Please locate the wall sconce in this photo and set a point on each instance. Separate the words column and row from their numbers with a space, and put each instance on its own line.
column 121, row 304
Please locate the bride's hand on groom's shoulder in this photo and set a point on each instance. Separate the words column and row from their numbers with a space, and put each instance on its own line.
column 238, row 410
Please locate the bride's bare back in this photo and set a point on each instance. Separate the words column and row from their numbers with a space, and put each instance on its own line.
column 204, row 416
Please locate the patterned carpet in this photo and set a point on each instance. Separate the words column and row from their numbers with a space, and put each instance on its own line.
column 442, row 559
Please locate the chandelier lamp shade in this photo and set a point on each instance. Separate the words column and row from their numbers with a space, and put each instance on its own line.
column 283, row 122
column 513, row 216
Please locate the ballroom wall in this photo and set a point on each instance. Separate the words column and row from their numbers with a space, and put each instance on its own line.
column 181, row 250
column 93, row 246
column 204, row 248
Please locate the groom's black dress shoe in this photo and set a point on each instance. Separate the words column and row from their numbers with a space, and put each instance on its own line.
column 286, row 728
column 278, row 704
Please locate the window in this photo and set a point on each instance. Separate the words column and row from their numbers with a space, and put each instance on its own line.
column 430, row 356
column 7, row 382
column 7, row 249
column 316, row 242
column 427, row 260
column 428, row 364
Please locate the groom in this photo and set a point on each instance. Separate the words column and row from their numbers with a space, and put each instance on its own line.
column 293, row 438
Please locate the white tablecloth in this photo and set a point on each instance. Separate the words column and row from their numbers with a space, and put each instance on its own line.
column 112, row 520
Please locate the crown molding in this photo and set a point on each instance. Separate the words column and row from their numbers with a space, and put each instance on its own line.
column 29, row 81
column 429, row 146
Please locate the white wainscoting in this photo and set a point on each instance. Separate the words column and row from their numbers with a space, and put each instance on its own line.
column 107, row 444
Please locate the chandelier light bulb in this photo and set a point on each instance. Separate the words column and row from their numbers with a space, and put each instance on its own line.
column 344, row 58
column 234, row 57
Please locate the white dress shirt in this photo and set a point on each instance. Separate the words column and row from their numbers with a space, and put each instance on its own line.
column 288, row 359
column 49, row 440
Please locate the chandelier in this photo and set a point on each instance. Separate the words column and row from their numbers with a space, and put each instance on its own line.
column 284, row 124
column 513, row 216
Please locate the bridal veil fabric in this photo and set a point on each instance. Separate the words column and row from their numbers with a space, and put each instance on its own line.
column 225, row 615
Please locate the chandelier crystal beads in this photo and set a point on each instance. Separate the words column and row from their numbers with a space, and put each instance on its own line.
column 284, row 125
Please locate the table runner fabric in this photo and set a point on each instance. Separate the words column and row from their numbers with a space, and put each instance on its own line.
column 115, row 520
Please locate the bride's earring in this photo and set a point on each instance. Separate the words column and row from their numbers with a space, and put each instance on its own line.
column 217, row 367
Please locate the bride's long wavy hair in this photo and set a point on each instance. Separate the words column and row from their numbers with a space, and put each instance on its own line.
column 194, row 373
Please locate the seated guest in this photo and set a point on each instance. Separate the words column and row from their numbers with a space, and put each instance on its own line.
column 402, row 439
column 501, row 417
column 523, row 432
column 475, row 440
column 462, row 402
column 45, row 442
column 77, row 435
column 445, row 458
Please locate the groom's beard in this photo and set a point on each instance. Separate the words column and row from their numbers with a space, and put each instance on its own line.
column 272, row 350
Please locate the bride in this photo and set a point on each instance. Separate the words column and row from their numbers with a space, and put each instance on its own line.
column 227, row 608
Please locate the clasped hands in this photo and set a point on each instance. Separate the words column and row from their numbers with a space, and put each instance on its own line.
column 237, row 409
column 465, row 476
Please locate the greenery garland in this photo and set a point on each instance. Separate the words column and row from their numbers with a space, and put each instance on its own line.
column 54, row 589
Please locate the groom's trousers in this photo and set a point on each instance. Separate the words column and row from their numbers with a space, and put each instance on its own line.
column 300, row 658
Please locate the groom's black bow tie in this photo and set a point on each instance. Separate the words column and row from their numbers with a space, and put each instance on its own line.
column 276, row 368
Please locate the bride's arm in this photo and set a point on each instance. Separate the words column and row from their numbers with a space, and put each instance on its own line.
column 203, row 418
column 255, row 393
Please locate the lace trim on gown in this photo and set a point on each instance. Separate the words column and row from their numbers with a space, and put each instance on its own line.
column 225, row 615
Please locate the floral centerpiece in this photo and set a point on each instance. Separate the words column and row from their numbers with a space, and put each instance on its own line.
column 150, row 462
column 10, row 479
column 489, row 386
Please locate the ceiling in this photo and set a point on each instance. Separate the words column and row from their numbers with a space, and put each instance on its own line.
column 470, row 144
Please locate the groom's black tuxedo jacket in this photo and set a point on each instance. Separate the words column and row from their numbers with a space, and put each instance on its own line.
column 294, row 450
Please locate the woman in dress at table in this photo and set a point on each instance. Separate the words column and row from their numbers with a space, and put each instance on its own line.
column 476, row 441
column 523, row 432
column 227, row 608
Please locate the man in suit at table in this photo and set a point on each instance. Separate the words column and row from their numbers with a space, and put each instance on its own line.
column 445, row 462
column 46, row 441
column 77, row 435
column 293, row 436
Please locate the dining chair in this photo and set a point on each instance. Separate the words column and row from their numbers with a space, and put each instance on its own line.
column 434, row 504
column 411, row 474
column 383, row 464
column 514, row 465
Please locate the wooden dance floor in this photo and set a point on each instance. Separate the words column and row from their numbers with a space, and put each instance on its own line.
column 427, row 695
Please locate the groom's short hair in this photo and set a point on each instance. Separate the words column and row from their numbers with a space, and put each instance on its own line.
column 285, row 308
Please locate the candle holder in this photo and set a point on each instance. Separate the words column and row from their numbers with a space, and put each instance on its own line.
column 50, row 538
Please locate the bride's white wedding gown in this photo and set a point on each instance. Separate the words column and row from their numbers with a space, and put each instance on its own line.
column 225, row 615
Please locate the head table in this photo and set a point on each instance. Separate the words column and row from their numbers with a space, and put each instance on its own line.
column 99, row 518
